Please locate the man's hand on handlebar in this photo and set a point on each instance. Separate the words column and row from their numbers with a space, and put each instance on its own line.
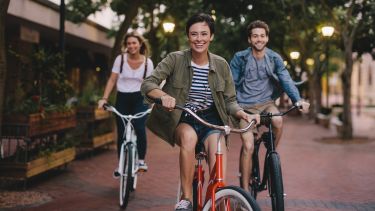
column 303, row 106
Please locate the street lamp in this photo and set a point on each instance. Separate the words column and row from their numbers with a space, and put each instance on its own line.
column 327, row 32
column 294, row 55
column 168, row 29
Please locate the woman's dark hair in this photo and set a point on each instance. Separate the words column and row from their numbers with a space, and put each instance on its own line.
column 144, row 48
column 257, row 24
column 198, row 18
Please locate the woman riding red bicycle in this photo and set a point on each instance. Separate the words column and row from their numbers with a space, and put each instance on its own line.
column 202, row 82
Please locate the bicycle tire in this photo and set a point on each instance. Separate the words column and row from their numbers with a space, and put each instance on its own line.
column 275, row 183
column 195, row 195
column 238, row 198
column 126, row 177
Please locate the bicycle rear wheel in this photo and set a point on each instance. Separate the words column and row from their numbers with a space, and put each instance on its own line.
column 126, row 181
column 275, row 183
column 232, row 198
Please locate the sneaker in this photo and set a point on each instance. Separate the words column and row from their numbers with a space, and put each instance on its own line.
column 184, row 205
column 142, row 166
column 116, row 174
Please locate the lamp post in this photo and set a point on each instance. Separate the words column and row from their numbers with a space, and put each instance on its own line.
column 327, row 32
column 294, row 55
column 168, row 29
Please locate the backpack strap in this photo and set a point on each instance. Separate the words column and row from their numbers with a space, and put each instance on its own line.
column 122, row 62
column 144, row 73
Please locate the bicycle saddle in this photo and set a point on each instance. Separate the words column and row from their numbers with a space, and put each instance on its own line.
column 200, row 151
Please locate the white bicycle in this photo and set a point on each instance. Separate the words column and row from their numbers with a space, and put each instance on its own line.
column 128, row 163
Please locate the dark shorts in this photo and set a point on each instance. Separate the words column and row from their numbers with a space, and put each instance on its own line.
column 210, row 115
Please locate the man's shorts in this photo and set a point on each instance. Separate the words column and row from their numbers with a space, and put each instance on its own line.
column 210, row 115
column 257, row 109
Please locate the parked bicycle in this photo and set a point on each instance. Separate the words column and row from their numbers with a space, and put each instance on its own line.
column 272, row 176
column 218, row 195
column 127, row 169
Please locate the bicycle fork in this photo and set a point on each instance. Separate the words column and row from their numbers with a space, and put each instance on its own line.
column 199, row 178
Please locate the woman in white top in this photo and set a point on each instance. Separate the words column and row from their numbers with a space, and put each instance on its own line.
column 128, row 72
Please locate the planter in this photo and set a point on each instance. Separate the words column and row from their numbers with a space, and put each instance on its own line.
column 338, row 125
column 97, row 125
column 323, row 120
column 37, row 124
column 92, row 113
column 99, row 140
column 16, row 170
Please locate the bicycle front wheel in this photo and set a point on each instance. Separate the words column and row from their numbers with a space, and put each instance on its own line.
column 275, row 183
column 232, row 198
column 126, row 181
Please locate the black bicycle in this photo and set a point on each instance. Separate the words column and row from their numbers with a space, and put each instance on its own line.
column 272, row 177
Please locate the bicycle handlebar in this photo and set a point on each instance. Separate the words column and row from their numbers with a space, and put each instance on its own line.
column 225, row 128
column 281, row 113
column 108, row 107
column 265, row 118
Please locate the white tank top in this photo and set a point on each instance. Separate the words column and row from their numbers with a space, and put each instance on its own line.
column 130, row 80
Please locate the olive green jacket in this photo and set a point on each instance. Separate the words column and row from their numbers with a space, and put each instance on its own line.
column 177, row 71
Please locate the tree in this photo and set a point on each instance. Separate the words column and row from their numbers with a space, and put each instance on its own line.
column 354, row 21
column 4, row 4
column 79, row 10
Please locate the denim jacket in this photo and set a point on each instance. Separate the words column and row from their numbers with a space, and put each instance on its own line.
column 275, row 69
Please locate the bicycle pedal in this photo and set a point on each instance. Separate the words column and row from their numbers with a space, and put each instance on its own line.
column 116, row 174
column 141, row 171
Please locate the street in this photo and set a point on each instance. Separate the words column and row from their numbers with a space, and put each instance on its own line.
column 319, row 173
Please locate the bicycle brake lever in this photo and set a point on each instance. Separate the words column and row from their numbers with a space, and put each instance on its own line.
column 106, row 106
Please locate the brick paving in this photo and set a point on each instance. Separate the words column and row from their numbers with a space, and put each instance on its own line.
column 319, row 174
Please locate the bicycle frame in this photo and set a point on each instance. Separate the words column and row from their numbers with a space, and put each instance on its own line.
column 272, row 167
column 130, row 139
column 216, row 176
column 270, row 148
column 130, row 143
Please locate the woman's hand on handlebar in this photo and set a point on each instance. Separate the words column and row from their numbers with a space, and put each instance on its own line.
column 248, row 117
column 101, row 103
column 168, row 102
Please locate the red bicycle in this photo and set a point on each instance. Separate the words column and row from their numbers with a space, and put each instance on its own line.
column 218, row 195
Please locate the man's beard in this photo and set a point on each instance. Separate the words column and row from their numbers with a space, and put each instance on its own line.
column 257, row 49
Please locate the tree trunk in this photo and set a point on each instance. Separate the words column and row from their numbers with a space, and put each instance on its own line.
column 317, row 88
column 4, row 4
column 347, row 132
column 130, row 14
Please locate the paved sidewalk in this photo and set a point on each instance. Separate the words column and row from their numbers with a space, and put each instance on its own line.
column 319, row 174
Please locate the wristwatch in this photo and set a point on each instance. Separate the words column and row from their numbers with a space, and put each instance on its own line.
column 298, row 103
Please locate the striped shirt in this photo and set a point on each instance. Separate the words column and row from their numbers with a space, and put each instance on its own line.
column 199, row 97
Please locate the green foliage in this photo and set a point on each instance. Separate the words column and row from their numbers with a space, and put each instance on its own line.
column 43, row 84
column 120, row 6
column 50, row 80
column 89, row 95
column 79, row 10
